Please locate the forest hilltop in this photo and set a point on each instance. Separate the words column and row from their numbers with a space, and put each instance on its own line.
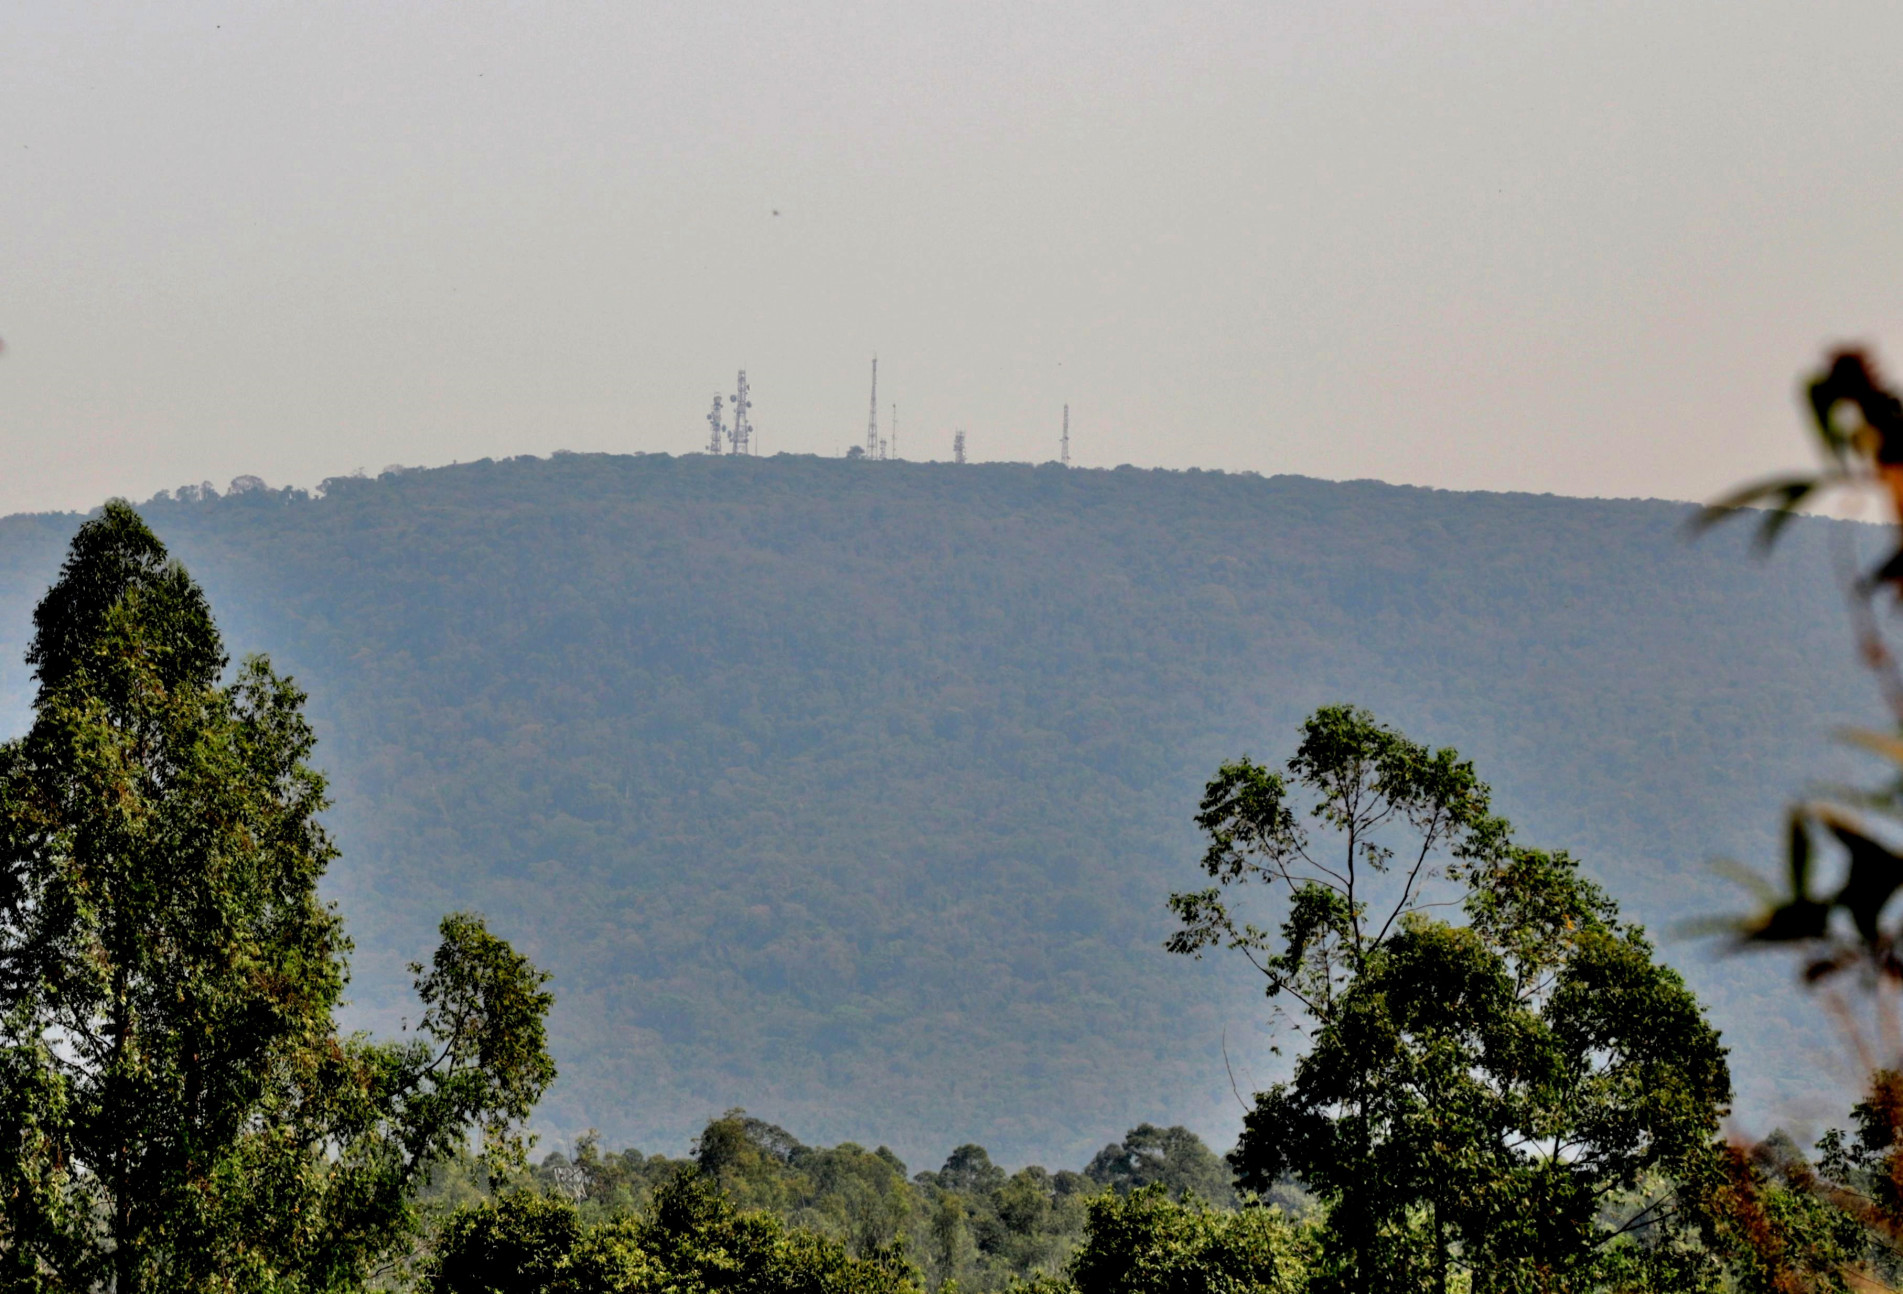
column 851, row 792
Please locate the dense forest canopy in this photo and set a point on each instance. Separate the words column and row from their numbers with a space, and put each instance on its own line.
column 968, row 1221
column 851, row 792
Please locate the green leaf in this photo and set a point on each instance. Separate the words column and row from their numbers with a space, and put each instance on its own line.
column 1785, row 493
column 1879, row 743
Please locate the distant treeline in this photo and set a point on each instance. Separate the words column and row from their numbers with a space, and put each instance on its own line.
column 970, row 1221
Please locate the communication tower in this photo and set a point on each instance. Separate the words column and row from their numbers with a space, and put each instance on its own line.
column 717, row 428
column 892, row 445
column 1065, row 452
column 742, row 433
column 958, row 445
column 872, row 418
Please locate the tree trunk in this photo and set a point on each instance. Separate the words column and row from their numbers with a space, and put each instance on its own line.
column 1440, row 1251
column 125, row 1266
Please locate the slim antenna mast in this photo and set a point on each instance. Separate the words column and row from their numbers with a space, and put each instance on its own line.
column 892, row 446
column 742, row 433
column 716, row 428
column 872, row 419
column 1066, row 450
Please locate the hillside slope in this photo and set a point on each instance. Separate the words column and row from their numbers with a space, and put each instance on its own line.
column 850, row 792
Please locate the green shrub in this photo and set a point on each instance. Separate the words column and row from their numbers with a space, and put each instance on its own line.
column 1145, row 1243
column 692, row 1240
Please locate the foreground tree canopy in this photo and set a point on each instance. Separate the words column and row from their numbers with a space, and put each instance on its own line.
column 1528, row 1099
column 177, row 1109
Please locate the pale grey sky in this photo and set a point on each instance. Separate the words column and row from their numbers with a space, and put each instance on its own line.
column 1580, row 248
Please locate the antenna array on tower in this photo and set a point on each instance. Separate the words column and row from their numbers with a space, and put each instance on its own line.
column 737, row 439
column 742, row 433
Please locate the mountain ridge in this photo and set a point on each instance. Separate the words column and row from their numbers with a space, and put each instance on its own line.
column 849, row 792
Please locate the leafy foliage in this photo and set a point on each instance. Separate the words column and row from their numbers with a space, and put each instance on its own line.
column 1174, row 1159
column 1469, row 1097
column 970, row 1222
column 858, row 1196
column 176, row 1107
column 692, row 1238
column 1367, row 784
column 1145, row 1243
column 1858, row 423
column 1789, row 1228
column 1762, row 1221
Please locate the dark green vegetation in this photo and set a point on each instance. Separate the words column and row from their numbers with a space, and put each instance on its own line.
column 690, row 1238
column 177, row 1110
column 851, row 793
column 970, row 1221
column 1472, row 1102
column 687, row 1233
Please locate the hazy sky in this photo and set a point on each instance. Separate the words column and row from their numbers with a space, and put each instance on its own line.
column 1582, row 248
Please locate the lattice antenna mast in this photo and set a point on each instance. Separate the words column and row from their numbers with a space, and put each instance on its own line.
column 958, row 445
column 892, row 445
column 872, row 419
column 742, row 434
column 1065, row 452
column 716, row 428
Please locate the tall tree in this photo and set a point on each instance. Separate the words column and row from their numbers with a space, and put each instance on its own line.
column 1401, row 816
column 1174, row 1158
column 1471, row 1097
column 176, row 1106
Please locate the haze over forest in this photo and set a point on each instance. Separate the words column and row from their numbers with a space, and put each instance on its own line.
column 1567, row 247
column 851, row 792
column 760, row 847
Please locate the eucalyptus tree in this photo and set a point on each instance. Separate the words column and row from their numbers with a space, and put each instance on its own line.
column 177, row 1108
column 1473, row 1101
column 1402, row 817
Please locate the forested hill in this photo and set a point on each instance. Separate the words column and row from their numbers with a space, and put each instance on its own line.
column 850, row 792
